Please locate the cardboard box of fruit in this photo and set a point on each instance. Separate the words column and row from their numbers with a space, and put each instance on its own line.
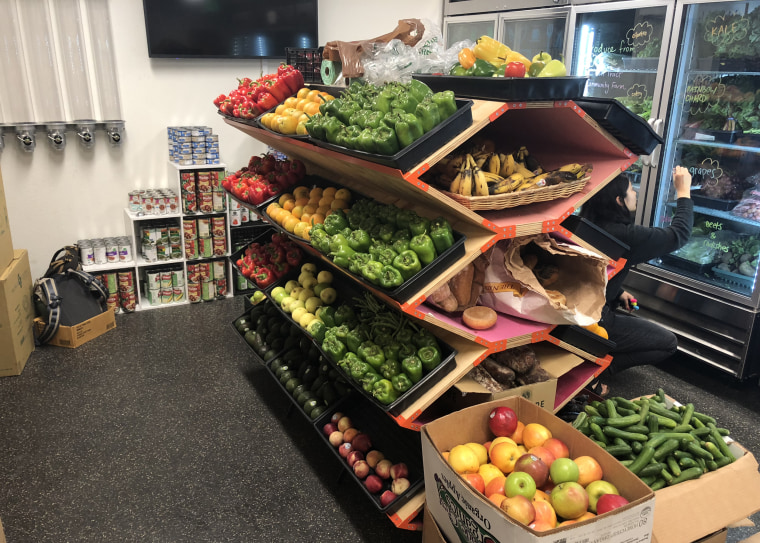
column 464, row 513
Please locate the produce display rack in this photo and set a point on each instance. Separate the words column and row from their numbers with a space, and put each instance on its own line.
column 556, row 133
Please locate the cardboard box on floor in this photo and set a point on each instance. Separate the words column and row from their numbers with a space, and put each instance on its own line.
column 6, row 244
column 463, row 514
column 74, row 336
column 555, row 360
column 16, row 315
column 2, row 533
column 694, row 509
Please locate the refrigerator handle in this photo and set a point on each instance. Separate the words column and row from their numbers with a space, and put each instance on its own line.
column 651, row 159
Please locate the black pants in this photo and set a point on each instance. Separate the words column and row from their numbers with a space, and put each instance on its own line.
column 638, row 342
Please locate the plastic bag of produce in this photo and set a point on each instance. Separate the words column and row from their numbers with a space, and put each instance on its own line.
column 749, row 206
column 542, row 279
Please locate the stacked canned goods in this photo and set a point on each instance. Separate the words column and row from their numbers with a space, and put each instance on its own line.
column 239, row 214
column 205, row 237
column 206, row 281
column 165, row 285
column 121, row 290
column 202, row 192
column 160, row 241
column 193, row 145
column 113, row 250
column 154, row 202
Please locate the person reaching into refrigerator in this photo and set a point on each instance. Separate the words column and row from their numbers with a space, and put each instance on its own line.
column 638, row 341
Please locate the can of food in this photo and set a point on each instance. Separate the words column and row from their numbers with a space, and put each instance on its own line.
column 126, row 281
column 208, row 291
column 128, row 302
column 189, row 202
column 146, row 202
column 178, row 294
column 178, row 278
column 204, row 228
column 167, row 295
column 154, row 296
column 221, row 286
column 135, row 204
column 218, row 201
column 112, row 250
column 204, row 271
column 245, row 215
column 204, row 182
column 149, row 251
column 163, row 233
column 187, row 181
column 219, row 246
column 210, row 138
column 99, row 252
column 190, row 228
column 125, row 250
column 191, row 249
column 163, row 250
column 194, row 292
column 206, row 202
column 86, row 253
column 166, row 278
column 112, row 302
column 111, row 282
column 159, row 204
column 205, row 247
column 176, row 250
column 218, row 227
column 153, row 280
column 218, row 269
column 171, row 204
column 236, row 217
column 175, row 234
column 193, row 274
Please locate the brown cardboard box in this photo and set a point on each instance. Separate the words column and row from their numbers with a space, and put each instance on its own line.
column 16, row 315
column 74, row 336
column 463, row 513
column 718, row 537
column 2, row 533
column 6, row 244
column 431, row 533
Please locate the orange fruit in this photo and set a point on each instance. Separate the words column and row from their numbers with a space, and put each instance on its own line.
column 463, row 459
column 343, row 194
column 299, row 228
column 284, row 198
column 535, row 434
column 323, row 210
column 302, row 201
column 301, row 192
column 326, row 201
column 504, row 456
column 313, row 95
column 339, row 204
column 316, row 192
column 498, row 440
column 329, row 191
column 306, row 217
column 305, row 233
column 297, row 211
column 303, row 92
column 497, row 498
column 290, row 223
column 271, row 207
column 517, row 436
column 317, row 218
column 496, row 486
column 289, row 205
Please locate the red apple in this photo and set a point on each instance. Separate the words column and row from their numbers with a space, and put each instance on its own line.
column 399, row 486
column 373, row 457
column 519, row 508
column 502, row 421
column 336, row 417
column 569, row 500
column 354, row 456
column 399, row 470
column 361, row 469
column 557, row 447
column 345, row 449
column 344, row 424
column 361, row 442
column 383, row 468
column 329, row 428
column 608, row 502
column 349, row 434
column 373, row 483
column 533, row 466
column 387, row 497
column 544, row 454
column 336, row 438
column 597, row 489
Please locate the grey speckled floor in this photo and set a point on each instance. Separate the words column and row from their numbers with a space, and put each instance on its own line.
column 164, row 430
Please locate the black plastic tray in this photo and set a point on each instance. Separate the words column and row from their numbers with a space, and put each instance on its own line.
column 256, row 355
column 413, row 154
column 630, row 129
column 597, row 237
column 262, row 237
column 686, row 264
column 721, row 136
column 396, row 443
column 249, row 122
column 583, row 339
column 519, row 89
column 713, row 203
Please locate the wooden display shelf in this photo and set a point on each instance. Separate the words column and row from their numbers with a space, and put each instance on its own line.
column 407, row 517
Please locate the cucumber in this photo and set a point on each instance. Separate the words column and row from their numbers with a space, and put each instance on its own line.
column 613, row 432
column 652, row 469
column 622, row 422
column 686, row 475
column 644, row 457
column 664, row 450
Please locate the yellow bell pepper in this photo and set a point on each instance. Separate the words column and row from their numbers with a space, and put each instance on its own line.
column 491, row 50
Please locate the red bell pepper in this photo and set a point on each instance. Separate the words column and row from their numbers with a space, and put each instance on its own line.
column 264, row 277
column 280, row 268
column 276, row 253
column 293, row 256
column 291, row 77
column 264, row 99
column 279, row 91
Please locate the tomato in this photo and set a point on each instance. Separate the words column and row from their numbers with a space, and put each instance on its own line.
column 514, row 69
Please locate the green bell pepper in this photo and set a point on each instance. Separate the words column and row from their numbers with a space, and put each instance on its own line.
column 483, row 68
column 412, row 367
column 330, row 108
column 334, row 348
column 356, row 261
column 408, row 130
column 341, row 332
column 371, row 271
column 405, row 102
column 408, row 263
column 405, row 335
column 316, row 328
column 386, row 141
column 335, row 222
column 327, row 314
column 344, row 314
column 384, row 392
column 382, row 102
column 401, row 383
column 384, row 233
column 400, row 245
column 393, row 118
column 390, row 277
column 404, row 218
column 358, row 369
column 372, row 354
column 359, row 118
column 419, row 90
column 446, row 102
column 391, row 350
column 333, row 128
column 418, row 226
column 374, row 119
column 390, row 368
column 358, row 240
column 340, row 250
column 458, row 69
column 386, row 256
column 369, row 379
column 423, row 338
column 442, row 236
column 423, row 246
column 430, row 357
column 315, row 127
column 366, row 141
column 407, row 350
column 427, row 113
column 345, row 111
column 376, row 247
column 351, row 136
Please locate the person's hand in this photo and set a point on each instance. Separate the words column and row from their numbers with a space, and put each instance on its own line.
column 682, row 182
column 625, row 300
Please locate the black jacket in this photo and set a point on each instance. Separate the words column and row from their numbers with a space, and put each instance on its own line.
column 647, row 243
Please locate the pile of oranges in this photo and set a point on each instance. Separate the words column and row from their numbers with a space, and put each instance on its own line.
column 299, row 210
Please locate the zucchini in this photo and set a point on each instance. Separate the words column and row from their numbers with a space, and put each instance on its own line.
column 591, row 411
column 697, row 451
column 687, row 462
column 664, row 412
column 688, row 412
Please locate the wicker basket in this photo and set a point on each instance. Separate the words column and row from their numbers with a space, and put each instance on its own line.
column 521, row 198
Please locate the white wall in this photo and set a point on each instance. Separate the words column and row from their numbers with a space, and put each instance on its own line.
column 56, row 198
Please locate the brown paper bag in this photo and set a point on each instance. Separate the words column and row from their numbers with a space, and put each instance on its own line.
column 349, row 53
column 577, row 291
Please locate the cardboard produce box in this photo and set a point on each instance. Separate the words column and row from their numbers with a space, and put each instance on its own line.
column 6, row 244
column 74, row 336
column 463, row 514
column 16, row 315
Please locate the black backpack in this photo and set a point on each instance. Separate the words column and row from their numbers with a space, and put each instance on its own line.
column 66, row 295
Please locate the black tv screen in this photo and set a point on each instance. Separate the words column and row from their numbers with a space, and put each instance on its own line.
column 229, row 28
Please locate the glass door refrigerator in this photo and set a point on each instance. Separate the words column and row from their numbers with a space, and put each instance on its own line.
column 706, row 292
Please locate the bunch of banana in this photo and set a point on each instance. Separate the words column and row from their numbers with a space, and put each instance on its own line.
column 518, row 181
column 471, row 180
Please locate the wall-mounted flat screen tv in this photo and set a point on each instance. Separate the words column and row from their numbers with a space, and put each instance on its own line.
column 237, row 29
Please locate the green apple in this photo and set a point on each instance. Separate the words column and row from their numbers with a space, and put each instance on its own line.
column 305, row 294
column 306, row 318
column 543, row 56
column 324, row 277
column 257, row 297
column 596, row 489
column 312, row 304
column 520, row 483
column 303, row 276
column 278, row 293
column 309, row 267
column 296, row 313
column 328, row 295
column 569, row 500
column 294, row 292
column 295, row 304
column 553, row 68
column 290, row 285
column 285, row 303
column 319, row 287
column 309, row 282
column 564, row 470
